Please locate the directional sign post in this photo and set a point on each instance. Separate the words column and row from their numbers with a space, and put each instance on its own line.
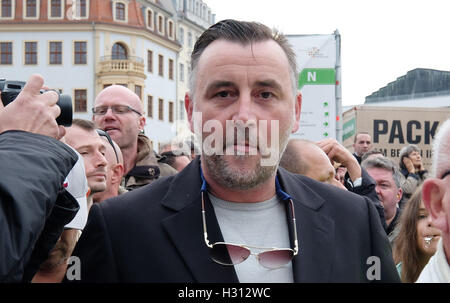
column 318, row 81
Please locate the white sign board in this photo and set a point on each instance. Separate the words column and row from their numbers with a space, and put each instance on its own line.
column 317, row 62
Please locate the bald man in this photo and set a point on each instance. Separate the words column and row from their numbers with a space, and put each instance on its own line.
column 306, row 158
column 119, row 112
column 314, row 160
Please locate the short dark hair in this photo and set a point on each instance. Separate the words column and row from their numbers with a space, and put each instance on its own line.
column 360, row 133
column 84, row 124
column 245, row 33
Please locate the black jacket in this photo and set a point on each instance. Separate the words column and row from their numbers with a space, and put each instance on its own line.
column 34, row 207
column 155, row 234
column 367, row 189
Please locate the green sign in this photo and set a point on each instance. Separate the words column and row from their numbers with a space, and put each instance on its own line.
column 349, row 129
column 316, row 76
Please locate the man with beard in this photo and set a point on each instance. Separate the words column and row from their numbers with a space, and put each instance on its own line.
column 203, row 224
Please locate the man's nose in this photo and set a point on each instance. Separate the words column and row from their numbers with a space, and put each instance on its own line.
column 244, row 108
column 100, row 160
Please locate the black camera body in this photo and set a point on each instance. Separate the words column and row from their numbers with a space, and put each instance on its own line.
column 11, row 89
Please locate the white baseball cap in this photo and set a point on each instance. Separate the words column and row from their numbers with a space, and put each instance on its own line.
column 76, row 184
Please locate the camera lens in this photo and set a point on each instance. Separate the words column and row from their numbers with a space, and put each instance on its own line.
column 65, row 104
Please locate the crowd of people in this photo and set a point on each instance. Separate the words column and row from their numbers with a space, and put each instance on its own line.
column 319, row 214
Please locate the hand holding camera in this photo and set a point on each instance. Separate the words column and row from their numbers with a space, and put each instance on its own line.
column 34, row 110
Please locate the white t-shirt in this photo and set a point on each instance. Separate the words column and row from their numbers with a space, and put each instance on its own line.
column 262, row 224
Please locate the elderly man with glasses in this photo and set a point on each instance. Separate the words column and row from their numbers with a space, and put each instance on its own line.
column 436, row 197
column 119, row 112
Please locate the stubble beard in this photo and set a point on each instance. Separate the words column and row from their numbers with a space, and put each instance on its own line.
column 243, row 178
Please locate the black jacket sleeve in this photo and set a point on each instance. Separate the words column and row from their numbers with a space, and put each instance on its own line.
column 367, row 189
column 32, row 171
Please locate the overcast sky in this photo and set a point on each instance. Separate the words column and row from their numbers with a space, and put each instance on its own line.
column 380, row 39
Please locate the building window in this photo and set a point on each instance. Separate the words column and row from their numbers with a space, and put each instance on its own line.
column 182, row 110
column 161, row 65
column 120, row 11
column 161, row 24
column 30, row 52
column 189, row 39
column 150, row 61
column 181, row 36
column 171, row 112
column 7, row 8
column 55, row 52
column 80, row 100
column 150, row 106
column 171, row 30
column 138, row 91
column 5, row 52
column 30, row 10
column 150, row 19
column 80, row 52
column 181, row 72
column 80, row 10
column 170, row 69
column 106, row 85
column 119, row 52
column 161, row 109
column 55, row 9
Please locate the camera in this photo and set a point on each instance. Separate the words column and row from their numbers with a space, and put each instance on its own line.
column 11, row 89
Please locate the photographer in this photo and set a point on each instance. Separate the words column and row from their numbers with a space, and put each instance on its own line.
column 34, row 206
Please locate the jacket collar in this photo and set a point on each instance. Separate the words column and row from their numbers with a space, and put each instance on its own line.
column 315, row 229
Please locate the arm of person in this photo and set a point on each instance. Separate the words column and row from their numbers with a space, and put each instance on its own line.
column 33, row 171
column 338, row 153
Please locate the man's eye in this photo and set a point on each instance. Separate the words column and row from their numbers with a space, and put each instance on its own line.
column 223, row 94
column 266, row 95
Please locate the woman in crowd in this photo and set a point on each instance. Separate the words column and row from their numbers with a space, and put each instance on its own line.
column 417, row 239
column 412, row 169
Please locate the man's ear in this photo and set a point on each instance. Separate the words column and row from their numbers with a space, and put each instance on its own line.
column 117, row 175
column 298, row 109
column 433, row 191
column 399, row 194
column 189, row 106
column 142, row 122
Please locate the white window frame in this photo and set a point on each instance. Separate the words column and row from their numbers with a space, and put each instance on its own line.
column 150, row 26
column 49, row 10
column 114, row 10
column 171, row 35
column 74, row 11
column 160, row 30
column 24, row 10
column 13, row 10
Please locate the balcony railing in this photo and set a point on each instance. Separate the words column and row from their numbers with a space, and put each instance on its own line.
column 132, row 64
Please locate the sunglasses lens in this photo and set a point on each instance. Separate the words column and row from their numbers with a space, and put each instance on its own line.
column 275, row 258
column 228, row 254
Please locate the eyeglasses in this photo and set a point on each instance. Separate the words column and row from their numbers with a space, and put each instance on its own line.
column 232, row 254
column 116, row 109
column 445, row 174
column 102, row 133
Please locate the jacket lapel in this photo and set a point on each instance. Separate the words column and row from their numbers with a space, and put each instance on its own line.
column 185, row 227
column 315, row 231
